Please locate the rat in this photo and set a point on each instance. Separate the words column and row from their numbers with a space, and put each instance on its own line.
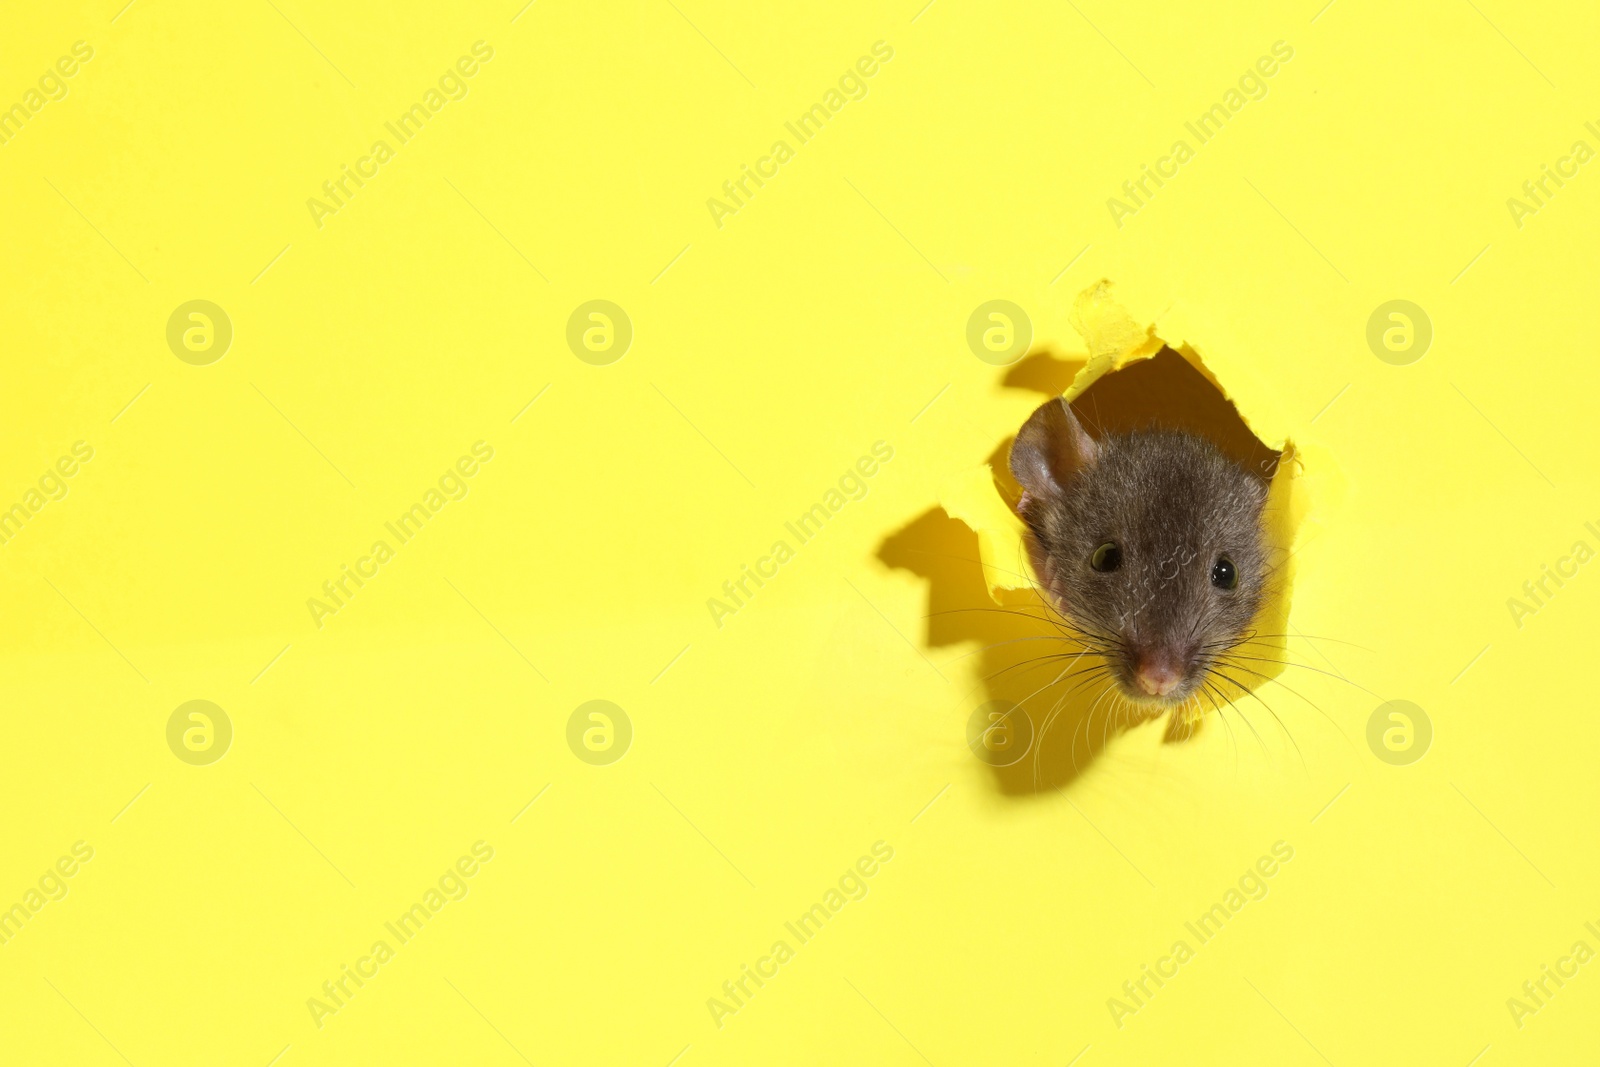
column 1150, row 543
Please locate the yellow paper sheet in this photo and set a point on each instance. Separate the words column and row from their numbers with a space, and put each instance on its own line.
column 496, row 500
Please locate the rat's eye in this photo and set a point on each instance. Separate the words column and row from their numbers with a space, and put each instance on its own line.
column 1223, row 573
column 1108, row 557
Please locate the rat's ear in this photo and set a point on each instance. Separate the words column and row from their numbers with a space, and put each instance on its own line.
column 1050, row 448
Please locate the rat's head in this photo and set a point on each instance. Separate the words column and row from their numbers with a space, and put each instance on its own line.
column 1149, row 542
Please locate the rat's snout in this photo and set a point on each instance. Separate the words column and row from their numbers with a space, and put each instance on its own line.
column 1158, row 673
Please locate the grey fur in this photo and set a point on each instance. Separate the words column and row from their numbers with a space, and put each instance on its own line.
column 1173, row 504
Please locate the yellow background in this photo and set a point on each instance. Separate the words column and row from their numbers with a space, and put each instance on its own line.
column 768, row 354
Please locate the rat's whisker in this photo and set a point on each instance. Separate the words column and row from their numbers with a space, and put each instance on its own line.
column 1111, row 711
column 1213, row 695
column 1088, row 749
column 1034, row 662
column 969, row 559
column 1229, row 661
column 1001, row 644
column 998, row 611
column 1312, row 637
column 1006, row 611
column 1087, row 676
column 1087, row 725
column 1240, row 710
column 1260, row 700
column 1047, row 685
column 1038, row 748
column 1088, row 722
column 1308, row 667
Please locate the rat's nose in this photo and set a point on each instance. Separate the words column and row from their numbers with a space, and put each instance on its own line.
column 1157, row 675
